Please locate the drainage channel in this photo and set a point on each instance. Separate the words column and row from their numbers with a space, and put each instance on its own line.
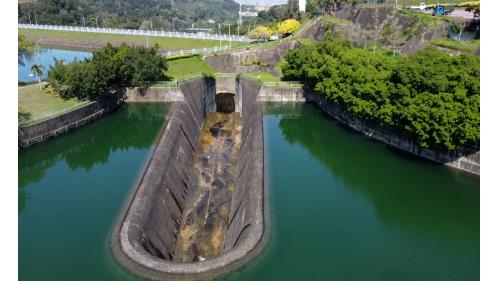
column 205, row 219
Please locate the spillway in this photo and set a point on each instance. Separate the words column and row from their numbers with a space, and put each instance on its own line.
column 198, row 208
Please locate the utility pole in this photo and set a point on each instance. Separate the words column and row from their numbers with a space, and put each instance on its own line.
column 96, row 24
column 220, row 38
column 229, row 36
column 239, row 20
column 83, row 20
column 29, row 17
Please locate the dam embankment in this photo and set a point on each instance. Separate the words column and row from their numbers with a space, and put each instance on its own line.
column 145, row 239
column 41, row 131
column 464, row 158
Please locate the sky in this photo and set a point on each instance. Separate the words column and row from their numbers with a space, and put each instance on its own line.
column 269, row 2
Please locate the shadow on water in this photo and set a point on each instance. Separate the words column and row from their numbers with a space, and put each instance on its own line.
column 407, row 192
column 132, row 126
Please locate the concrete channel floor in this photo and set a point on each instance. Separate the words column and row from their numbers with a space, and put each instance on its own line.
column 205, row 219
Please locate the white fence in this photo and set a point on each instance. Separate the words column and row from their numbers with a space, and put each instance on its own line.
column 196, row 51
column 200, row 36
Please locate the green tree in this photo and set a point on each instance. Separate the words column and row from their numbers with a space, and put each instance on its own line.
column 430, row 96
column 110, row 70
column 24, row 48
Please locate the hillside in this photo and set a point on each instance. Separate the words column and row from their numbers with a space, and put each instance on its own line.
column 164, row 14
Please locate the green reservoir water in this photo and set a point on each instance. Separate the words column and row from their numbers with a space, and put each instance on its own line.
column 342, row 207
column 71, row 189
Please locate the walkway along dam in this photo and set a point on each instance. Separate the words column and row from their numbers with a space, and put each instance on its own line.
column 199, row 206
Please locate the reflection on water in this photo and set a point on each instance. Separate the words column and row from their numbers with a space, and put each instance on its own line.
column 71, row 189
column 346, row 208
column 342, row 207
column 134, row 126
column 417, row 194
column 45, row 57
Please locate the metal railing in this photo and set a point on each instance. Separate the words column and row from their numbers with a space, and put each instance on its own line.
column 197, row 51
column 139, row 32
column 39, row 117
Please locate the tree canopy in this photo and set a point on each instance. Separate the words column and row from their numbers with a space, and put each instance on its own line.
column 24, row 48
column 109, row 69
column 430, row 96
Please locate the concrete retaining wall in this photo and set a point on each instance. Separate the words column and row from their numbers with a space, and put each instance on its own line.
column 153, row 94
column 41, row 131
column 147, row 230
column 261, row 59
column 464, row 159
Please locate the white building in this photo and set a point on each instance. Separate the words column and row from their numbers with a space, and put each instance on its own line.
column 302, row 5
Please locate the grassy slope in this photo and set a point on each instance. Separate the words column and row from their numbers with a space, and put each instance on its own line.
column 463, row 46
column 164, row 42
column 187, row 66
column 262, row 76
column 32, row 101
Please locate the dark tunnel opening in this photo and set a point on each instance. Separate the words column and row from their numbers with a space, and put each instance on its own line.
column 225, row 102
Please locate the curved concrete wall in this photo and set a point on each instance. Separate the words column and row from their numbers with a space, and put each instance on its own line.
column 464, row 159
column 41, row 131
column 144, row 238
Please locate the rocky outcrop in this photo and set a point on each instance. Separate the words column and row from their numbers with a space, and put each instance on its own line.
column 363, row 25
column 252, row 60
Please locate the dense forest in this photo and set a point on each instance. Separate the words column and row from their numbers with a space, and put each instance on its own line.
column 161, row 14
column 430, row 96
column 110, row 69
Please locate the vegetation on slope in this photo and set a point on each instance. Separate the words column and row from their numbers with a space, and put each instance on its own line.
column 108, row 70
column 34, row 101
column 430, row 96
column 164, row 14
column 187, row 66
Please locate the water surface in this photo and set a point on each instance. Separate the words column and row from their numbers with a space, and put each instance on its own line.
column 71, row 189
column 45, row 57
column 342, row 207
column 346, row 208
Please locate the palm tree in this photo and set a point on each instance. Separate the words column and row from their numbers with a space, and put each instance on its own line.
column 37, row 69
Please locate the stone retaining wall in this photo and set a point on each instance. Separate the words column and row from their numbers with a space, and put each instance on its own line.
column 464, row 159
column 41, row 131
column 143, row 239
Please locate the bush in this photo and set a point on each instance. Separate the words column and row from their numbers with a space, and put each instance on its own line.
column 260, row 33
column 288, row 27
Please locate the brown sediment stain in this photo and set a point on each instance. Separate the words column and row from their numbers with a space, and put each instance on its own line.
column 205, row 219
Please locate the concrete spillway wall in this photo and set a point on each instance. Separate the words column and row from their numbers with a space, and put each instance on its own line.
column 145, row 236
column 41, row 131
column 153, row 94
column 463, row 158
